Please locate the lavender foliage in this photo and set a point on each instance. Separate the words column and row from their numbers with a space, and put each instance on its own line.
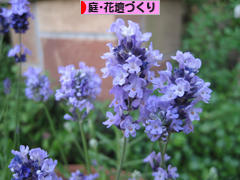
column 181, row 89
column 129, row 65
column 79, row 87
column 37, row 85
column 160, row 173
column 80, row 176
column 32, row 164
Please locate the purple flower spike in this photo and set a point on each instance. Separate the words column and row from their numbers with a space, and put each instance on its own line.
column 79, row 87
column 181, row 89
column 20, row 13
column 129, row 65
column 19, row 52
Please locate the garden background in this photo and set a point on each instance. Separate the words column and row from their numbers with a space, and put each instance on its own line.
column 59, row 35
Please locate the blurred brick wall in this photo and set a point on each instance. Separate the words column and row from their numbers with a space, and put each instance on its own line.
column 59, row 35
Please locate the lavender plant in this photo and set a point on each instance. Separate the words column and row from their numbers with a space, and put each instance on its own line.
column 32, row 164
column 173, row 110
column 79, row 87
column 19, row 22
column 129, row 64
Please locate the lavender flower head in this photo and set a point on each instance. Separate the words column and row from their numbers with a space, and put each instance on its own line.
column 181, row 89
column 19, row 52
column 32, row 164
column 159, row 173
column 20, row 15
column 7, row 86
column 79, row 87
column 129, row 65
column 37, row 85
column 80, row 176
column 5, row 15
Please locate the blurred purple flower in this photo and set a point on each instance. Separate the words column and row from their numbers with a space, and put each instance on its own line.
column 172, row 172
column 77, row 175
column 5, row 15
column 19, row 52
column 20, row 13
column 155, row 160
column 37, row 85
column 160, row 174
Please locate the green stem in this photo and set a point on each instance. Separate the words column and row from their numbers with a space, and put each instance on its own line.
column 5, row 153
column 79, row 147
column 1, row 43
column 163, row 149
column 51, row 123
column 17, row 130
column 85, row 147
column 122, row 159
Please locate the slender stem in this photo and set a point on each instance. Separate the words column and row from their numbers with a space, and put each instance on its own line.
column 1, row 43
column 17, row 130
column 122, row 158
column 163, row 149
column 87, row 161
column 51, row 123
column 79, row 147
column 5, row 154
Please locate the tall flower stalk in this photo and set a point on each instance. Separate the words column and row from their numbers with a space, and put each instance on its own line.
column 122, row 158
column 129, row 64
column 17, row 19
column 79, row 87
